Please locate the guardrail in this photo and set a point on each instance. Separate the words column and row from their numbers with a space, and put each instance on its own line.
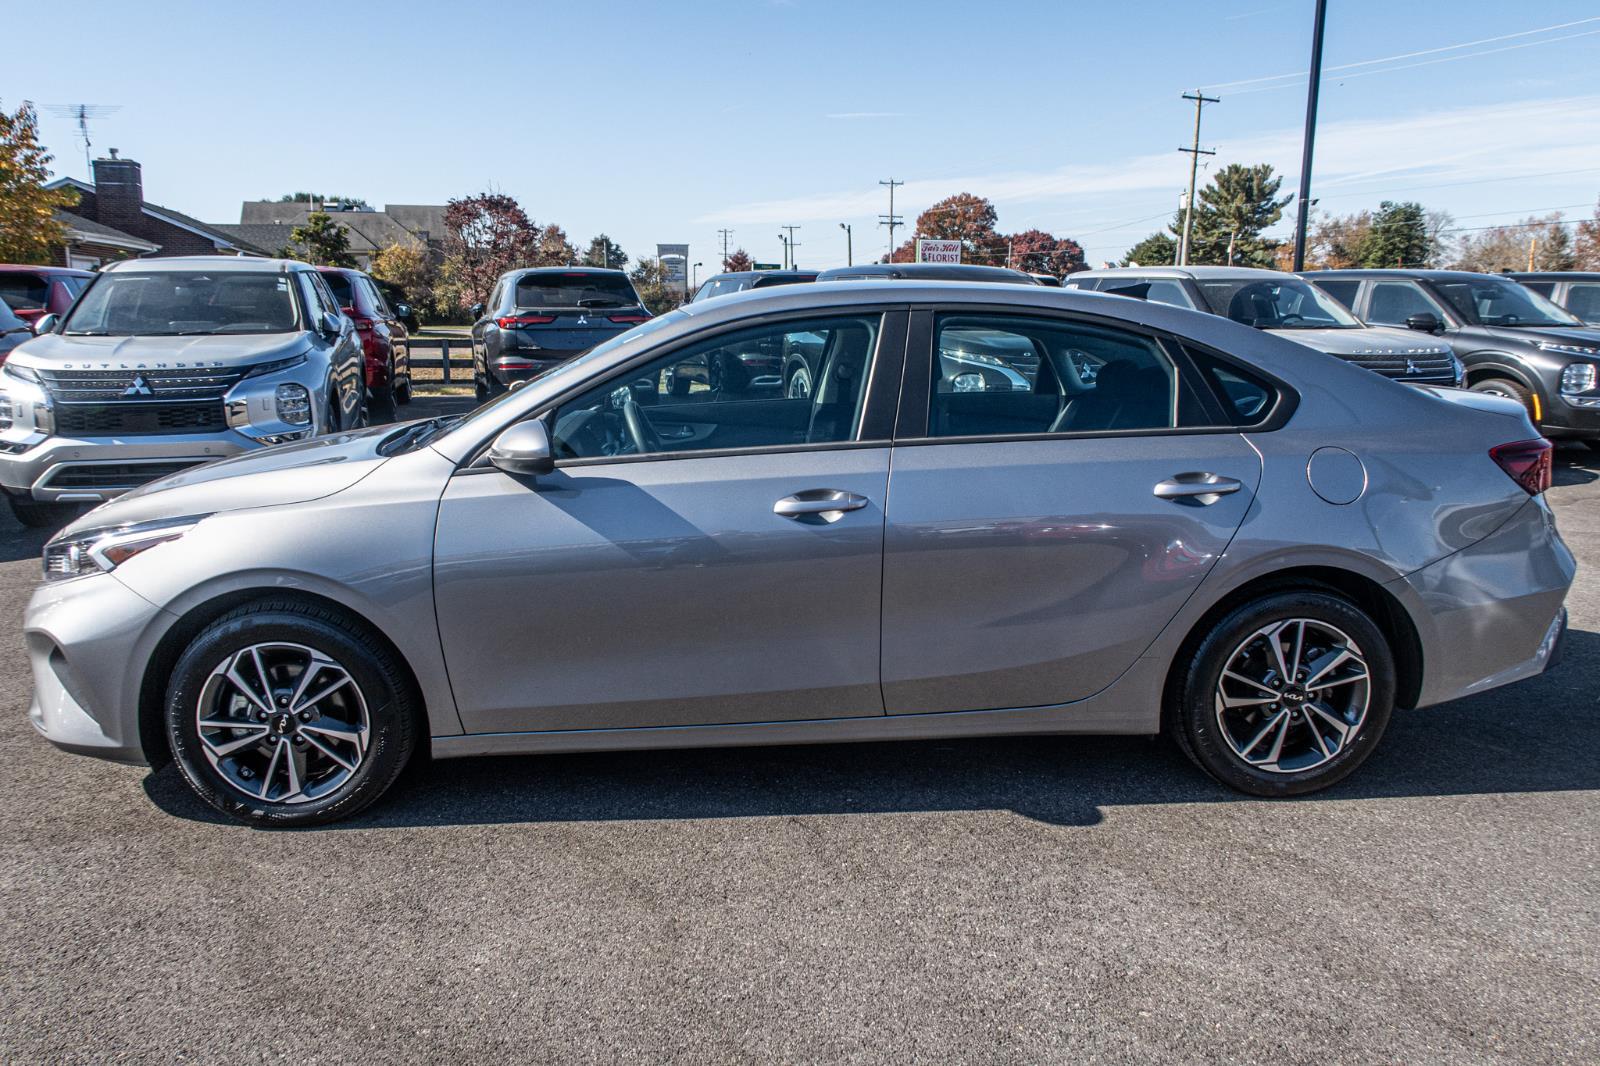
column 454, row 352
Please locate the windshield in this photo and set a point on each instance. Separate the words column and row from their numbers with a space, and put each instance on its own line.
column 1288, row 303
column 1496, row 302
column 170, row 303
column 575, row 289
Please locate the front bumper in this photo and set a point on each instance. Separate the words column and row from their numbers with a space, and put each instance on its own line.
column 84, row 639
column 90, row 469
column 1492, row 613
column 1571, row 419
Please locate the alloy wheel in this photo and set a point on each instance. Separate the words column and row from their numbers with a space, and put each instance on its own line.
column 1292, row 696
column 282, row 723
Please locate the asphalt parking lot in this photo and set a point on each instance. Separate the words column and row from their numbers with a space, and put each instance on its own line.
column 1033, row 900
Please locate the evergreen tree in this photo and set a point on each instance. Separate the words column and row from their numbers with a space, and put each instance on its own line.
column 1398, row 236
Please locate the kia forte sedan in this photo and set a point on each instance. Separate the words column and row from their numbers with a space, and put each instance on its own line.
column 1181, row 524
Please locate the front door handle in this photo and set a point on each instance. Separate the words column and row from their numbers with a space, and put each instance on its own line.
column 1196, row 487
column 827, row 504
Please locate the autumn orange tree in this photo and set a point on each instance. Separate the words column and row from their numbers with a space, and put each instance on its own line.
column 29, row 232
column 739, row 260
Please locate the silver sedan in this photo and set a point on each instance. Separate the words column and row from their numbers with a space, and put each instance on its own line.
column 1000, row 510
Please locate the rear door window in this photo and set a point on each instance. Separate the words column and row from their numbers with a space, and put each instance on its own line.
column 574, row 289
column 1343, row 291
column 1003, row 375
column 339, row 285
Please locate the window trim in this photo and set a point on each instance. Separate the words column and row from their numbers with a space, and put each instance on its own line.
column 882, row 390
column 916, row 394
column 1450, row 319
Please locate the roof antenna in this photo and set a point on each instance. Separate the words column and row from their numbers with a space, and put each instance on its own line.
column 85, row 114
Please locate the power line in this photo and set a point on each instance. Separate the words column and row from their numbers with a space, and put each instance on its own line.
column 1413, row 55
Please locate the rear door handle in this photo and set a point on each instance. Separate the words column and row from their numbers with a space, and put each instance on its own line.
column 820, row 503
column 1198, row 487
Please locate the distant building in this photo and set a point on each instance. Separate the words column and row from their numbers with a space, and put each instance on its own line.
column 268, row 223
column 112, row 220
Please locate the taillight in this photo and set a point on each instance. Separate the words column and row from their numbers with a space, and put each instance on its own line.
column 516, row 321
column 629, row 318
column 1527, row 462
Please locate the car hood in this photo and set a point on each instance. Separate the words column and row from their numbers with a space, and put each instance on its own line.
column 59, row 352
column 1374, row 340
column 1589, row 338
column 271, row 477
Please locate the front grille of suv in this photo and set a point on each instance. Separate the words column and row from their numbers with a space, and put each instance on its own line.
column 103, row 403
column 189, row 383
column 113, row 475
column 1423, row 369
column 132, row 419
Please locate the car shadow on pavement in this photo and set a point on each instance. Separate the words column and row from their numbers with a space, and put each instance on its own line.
column 1537, row 736
column 1575, row 464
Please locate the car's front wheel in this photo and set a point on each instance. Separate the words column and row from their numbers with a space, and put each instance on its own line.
column 1508, row 389
column 281, row 713
column 1285, row 694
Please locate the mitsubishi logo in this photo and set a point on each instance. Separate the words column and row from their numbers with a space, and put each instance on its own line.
column 138, row 387
column 1411, row 368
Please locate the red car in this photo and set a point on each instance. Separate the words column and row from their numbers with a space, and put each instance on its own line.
column 35, row 291
column 384, row 340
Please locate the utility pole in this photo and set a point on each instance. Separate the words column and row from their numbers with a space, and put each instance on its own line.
column 849, row 254
column 1303, row 219
column 891, row 219
column 1200, row 100
column 789, row 246
column 1231, row 235
column 1533, row 246
column 725, row 234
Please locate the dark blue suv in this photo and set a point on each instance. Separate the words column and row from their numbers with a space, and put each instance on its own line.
column 537, row 319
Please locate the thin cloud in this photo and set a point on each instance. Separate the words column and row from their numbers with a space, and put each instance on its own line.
column 866, row 114
column 1467, row 142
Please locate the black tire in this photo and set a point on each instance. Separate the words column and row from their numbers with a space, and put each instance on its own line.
column 402, row 391
column 1192, row 714
column 37, row 514
column 381, row 404
column 1511, row 390
column 392, row 714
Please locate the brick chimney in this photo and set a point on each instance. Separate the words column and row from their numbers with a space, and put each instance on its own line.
column 119, row 193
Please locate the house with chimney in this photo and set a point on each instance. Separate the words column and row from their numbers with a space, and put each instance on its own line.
column 268, row 223
column 112, row 220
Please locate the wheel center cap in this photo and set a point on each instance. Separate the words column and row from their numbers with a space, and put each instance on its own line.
column 1295, row 696
column 282, row 724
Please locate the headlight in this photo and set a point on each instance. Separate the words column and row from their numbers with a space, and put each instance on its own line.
column 275, row 366
column 1578, row 377
column 100, row 551
column 22, row 373
column 1567, row 349
column 294, row 404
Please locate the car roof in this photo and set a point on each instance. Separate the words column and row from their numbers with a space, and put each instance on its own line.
column 524, row 271
column 242, row 264
column 1196, row 273
column 1402, row 272
column 1552, row 275
column 929, row 272
column 25, row 268
column 742, row 274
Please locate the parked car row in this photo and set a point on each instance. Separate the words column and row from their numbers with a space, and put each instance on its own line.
column 995, row 509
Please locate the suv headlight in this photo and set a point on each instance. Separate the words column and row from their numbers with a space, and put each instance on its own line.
column 276, row 365
column 1567, row 349
column 293, row 401
column 1578, row 377
column 100, row 551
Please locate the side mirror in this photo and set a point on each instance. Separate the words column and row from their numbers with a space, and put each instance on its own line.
column 477, row 310
column 1424, row 322
column 331, row 323
column 524, row 450
column 402, row 310
column 45, row 324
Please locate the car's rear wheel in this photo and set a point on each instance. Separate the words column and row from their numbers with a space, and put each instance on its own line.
column 1286, row 694
column 281, row 713
column 382, row 398
column 1511, row 390
column 799, row 385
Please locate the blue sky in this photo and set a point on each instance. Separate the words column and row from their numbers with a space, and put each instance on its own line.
column 661, row 123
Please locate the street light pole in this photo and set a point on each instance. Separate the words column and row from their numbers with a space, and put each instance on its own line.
column 1304, row 216
column 849, row 253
